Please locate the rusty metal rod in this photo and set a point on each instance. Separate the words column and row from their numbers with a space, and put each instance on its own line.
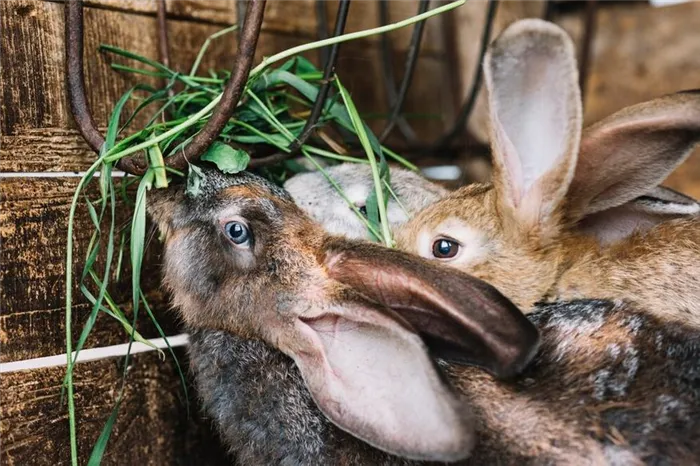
column 409, row 70
column 222, row 113
column 387, row 71
column 163, row 42
column 590, row 20
column 75, row 78
column 468, row 107
column 232, row 92
column 319, row 103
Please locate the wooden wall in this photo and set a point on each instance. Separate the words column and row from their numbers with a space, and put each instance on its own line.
column 638, row 53
column 40, row 148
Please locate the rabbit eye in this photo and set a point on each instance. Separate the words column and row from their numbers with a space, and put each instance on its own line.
column 445, row 248
column 238, row 233
column 362, row 208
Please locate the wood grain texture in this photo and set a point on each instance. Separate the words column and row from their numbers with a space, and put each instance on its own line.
column 152, row 427
column 38, row 132
column 641, row 52
column 290, row 17
column 33, row 231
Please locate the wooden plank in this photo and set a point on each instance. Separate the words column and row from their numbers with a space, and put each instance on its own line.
column 38, row 134
column 152, row 426
column 292, row 17
column 641, row 52
column 33, row 230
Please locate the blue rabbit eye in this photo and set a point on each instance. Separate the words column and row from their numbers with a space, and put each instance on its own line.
column 237, row 232
column 445, row 248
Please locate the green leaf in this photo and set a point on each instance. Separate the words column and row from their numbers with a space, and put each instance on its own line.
column 138, row 237
column 194, row 181
column 226, row 158
column 304, row 66
column 379, row 171
column 99, row 449
column 373, row 215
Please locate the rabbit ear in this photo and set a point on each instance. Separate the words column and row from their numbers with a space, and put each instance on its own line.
column 535, row 111
column 461, row 318
column 639, row 215
column 365, row 353
column 163, row 205
column 629, row 153
column 370, row 374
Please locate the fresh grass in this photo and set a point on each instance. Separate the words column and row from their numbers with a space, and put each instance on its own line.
column 272, row 112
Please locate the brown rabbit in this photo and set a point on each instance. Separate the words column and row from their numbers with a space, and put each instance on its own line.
column 564, row 218
column 256, row 279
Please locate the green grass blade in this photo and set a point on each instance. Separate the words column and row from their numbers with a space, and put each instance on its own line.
column 138, row 237
column 99, row 449
column 364, row 141
column 207, row 43
column 69, row 307
column 170, row 350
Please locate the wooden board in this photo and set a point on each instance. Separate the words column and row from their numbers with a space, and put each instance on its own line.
column 33, row 232
column 38, row 132
column 641, row 52
column 152, row 427
column 291, row 17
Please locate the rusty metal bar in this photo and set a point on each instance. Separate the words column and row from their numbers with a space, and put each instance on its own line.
column 319, row 103
column 466, row 110
column 409, row 70
column 590, row 20
column 232, row 93
column 75, row 76
column 388, row 79
column 163, row 43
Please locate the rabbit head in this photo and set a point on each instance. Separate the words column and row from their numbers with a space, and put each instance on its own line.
column 322, row 202
column 553, row 182
column 241, row 257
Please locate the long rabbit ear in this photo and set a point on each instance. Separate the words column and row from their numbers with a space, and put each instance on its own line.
column 535, row 110
column 163, row 206
column 460, row 318
column 629, row 153
column 366, row 351
column 639, row 215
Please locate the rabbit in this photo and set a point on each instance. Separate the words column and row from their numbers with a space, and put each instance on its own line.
column 243, row 258
column 309, row 348
column 571, row 215
column 319, row 199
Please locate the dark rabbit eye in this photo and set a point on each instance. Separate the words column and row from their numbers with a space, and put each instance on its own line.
column 363, row 210
column 445, row 248
column 238, row 233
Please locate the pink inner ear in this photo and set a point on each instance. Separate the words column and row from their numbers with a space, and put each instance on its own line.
column 372, row 377
column 531, row 77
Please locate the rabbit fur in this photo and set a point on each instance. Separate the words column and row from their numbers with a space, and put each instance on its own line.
column 320, row 200
column 609, row 384
column 567, row 215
